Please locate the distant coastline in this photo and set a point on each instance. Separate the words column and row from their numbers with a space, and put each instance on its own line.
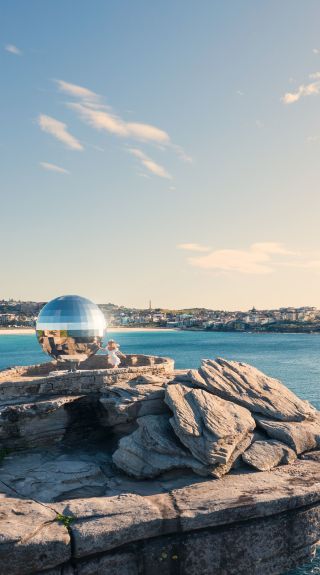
column 308, row 330
column 30, row 330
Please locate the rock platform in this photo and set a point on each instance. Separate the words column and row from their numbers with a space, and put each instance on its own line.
column 144, row 470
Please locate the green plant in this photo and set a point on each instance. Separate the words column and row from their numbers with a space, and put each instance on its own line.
column 66, row 520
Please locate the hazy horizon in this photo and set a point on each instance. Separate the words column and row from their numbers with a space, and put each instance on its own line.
column 161, row 150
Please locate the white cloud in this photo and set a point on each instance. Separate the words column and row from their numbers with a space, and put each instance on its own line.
column 316, row 51
column 77, row 91
column 13, row 49
column 193, row 247
column 90, row 109
column 59, row 131
column 53, row 168
column 310, row 89
column 258, row 259
column 149, row 164
column 102, row 119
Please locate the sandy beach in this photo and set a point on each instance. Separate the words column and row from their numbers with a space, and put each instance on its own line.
column 25, row 330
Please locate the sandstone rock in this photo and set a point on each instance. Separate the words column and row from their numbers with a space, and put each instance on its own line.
column 209, row 426
column 265, row 455
column 127, row 401
column 249, row 387
column 233, row 462
column 152, row 449
column 311, row 456
column 34, row 424
column 111, row 564
column 104, row 523
column 31, row 539
column 300, row 436
column 54, row 475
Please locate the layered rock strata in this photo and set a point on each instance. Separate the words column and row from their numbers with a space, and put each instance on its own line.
column 78, row 450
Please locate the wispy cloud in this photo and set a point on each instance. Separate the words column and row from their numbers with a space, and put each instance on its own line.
column 53, row 168
column 13, row 49
column 258, row 259
column 77, row 91
column 102, row 119
column 309, row 89
column 193, row 247
column 91, row 110
column 150, row 164
column 59, row 131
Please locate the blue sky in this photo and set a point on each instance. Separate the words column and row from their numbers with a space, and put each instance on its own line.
column 165, row 150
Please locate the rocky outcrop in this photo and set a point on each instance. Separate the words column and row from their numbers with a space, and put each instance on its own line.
column 31, row 538
column 210, row 427
column 247, row 386
column 299, row 435
column 265, row 455
column 254, row 523
column 127, row 401
column 87, row 513
column 42, row 422
column 153, row 449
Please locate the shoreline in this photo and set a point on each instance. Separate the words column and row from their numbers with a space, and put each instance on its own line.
column 31, row 330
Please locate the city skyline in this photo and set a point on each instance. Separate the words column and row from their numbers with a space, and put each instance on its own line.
column 161, row 151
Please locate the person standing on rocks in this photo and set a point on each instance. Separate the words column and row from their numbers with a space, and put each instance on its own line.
column 112, row 349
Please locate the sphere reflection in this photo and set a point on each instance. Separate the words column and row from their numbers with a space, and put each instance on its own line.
column 70, row 328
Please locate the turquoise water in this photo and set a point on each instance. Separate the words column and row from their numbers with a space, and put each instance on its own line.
column 293, row 358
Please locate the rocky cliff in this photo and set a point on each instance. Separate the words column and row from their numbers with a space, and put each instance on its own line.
column 146, row 470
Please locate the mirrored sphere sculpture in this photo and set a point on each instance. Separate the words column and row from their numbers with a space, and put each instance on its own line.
column 70, row 328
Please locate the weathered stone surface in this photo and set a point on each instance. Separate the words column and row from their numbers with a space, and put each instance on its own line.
column 265, row 455
column 28, row 381
column 34, row 424
column 209, row 426
column 247, row 386
column 244, row 523
column 127, row 401
column 114, row 564
column 256, row 547
column 153, row 448
column 104, row 523
column 248, row 495
column 312, row 455
column 300, row 436
column 31, row 539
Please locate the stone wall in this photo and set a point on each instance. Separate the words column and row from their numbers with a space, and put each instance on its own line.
column 258, row 524
column 29, row 381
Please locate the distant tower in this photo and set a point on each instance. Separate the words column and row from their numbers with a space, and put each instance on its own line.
column 150, row 306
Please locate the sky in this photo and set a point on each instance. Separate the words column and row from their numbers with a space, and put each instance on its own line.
column 161, row 150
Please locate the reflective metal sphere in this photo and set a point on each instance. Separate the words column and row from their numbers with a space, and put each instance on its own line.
column 70, row 328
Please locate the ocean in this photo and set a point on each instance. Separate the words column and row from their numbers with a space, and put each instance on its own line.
column 292, row 358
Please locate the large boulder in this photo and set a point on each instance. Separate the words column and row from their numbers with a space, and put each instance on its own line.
column 128, row 400
column 249, row 387
column 153, row 449
column 210, row 427
column 265, row 455
column 299, row 435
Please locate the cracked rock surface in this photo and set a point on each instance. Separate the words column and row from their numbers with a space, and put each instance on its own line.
column 153, row 473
